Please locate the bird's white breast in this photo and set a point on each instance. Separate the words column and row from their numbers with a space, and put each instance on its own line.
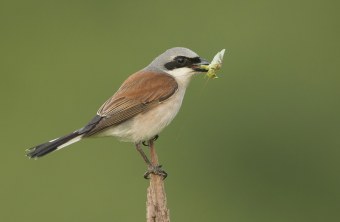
column 146, row 125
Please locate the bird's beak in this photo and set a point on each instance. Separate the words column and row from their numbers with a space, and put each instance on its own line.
column 201, row 66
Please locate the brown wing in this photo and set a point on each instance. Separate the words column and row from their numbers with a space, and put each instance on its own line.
column 140, row 92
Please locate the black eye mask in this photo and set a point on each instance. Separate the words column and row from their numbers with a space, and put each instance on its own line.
column 182, row 61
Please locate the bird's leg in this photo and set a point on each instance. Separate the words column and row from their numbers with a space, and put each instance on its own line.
column 140, row 150
column 154, row 168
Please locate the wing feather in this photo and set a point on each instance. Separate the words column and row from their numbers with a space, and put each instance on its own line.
column 139, row 93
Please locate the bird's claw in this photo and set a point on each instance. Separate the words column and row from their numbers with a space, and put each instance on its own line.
column 156, row 170
column 145, row 143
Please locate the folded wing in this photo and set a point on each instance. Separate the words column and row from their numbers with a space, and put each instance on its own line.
column 139, row 93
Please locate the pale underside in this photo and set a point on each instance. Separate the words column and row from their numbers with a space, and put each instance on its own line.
column 149, row 116
column 146, row 125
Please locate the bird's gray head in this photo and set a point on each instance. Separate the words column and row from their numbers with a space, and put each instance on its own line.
column 178, row 62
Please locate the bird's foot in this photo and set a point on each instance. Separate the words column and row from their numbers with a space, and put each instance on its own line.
column 146, row 143
column 157, row 170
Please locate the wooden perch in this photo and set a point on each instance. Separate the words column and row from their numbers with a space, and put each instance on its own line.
column 156, row 204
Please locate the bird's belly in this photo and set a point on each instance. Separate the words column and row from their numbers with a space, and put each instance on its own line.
column 146, row 125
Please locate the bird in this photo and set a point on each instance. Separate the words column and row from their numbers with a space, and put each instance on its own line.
column 145, row 103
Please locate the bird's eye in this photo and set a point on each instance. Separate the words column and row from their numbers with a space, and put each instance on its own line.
column 180, row 60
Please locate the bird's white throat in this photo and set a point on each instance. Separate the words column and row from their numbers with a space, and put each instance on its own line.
column 182, row 75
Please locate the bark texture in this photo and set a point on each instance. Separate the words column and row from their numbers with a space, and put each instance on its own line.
column 156, row 204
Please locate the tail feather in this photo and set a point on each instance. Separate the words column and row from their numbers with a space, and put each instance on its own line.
column 56, row 144
column 61, row 142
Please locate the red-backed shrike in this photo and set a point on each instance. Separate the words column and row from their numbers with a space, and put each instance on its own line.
column 145, row 103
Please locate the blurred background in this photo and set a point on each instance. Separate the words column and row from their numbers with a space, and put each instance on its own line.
column 261, row 143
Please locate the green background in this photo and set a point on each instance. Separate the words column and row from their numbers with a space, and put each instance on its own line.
column 261, row 143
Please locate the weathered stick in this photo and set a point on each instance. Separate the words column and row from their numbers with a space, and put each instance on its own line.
column 156, row 204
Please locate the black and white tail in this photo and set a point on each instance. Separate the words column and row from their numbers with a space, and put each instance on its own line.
column 56, row 144
column 61, row 142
